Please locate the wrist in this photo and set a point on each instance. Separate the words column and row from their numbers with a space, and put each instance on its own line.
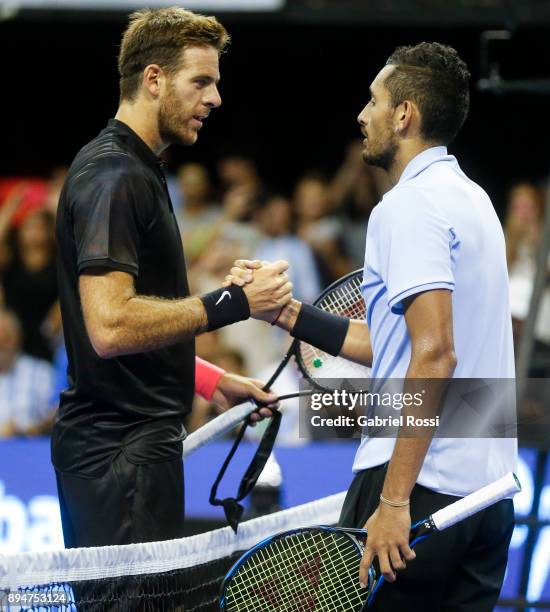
column 321, row 329
column 288, row 315
column 207, row 378
column 394, row 503
column 225, row 306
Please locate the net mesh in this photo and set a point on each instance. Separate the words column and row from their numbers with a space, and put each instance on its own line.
column 183, row 574
column 345, row 300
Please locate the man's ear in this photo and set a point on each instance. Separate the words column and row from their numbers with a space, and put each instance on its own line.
column 404, row 114
column 153, row 76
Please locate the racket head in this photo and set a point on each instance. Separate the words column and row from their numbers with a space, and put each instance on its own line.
column 342, row 298
column 313, row 568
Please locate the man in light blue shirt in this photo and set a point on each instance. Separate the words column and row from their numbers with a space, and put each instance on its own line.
column 436, row 290
column 437, row 230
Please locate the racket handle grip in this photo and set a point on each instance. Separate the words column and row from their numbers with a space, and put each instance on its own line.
column 216, row 428
column 479, row 500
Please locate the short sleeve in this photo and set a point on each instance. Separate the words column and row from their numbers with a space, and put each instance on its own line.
column 108, row 219
column 415, row 248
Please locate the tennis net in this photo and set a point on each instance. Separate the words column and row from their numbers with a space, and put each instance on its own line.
column 177, row 575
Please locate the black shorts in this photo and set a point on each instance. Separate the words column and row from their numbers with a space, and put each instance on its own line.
column 460, row 569
column 130, row 503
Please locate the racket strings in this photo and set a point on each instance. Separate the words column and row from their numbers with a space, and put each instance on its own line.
column 296, row 598
column 302, row 572
column 293, row 594
column 345, row 300
column 327, row 598
column 348, row 589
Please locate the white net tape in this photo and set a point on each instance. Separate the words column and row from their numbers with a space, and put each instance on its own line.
column 24, row 569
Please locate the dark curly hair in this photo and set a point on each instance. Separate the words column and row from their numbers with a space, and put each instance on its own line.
column 434, row 77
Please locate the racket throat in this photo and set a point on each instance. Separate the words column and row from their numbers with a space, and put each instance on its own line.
column 421, row 530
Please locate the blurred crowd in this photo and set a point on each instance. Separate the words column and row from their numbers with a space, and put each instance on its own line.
column 224, row 214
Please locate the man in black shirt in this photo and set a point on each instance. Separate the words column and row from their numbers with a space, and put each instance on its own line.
column 128, row 319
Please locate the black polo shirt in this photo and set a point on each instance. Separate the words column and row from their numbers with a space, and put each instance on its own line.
column 115, row 213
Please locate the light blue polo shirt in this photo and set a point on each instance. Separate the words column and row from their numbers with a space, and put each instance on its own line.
column 437, row 229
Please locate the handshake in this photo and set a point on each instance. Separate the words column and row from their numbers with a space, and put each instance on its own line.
column 265, row 285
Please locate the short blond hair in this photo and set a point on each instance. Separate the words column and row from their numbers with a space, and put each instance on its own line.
column 158, row 37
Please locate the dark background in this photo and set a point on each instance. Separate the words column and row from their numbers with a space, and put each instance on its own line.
column 292, row 87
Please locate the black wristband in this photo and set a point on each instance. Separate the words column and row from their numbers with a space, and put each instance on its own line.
column 225, row 306
column 322, row 329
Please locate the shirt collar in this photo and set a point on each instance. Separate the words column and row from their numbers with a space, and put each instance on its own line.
column 135, row 142
column 424, row 160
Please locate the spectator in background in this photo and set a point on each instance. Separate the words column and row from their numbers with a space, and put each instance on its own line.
column 55, row 185
column 319, row 227
column 238, row 171
column 208, row 345
column 199, row 214
column 241, row 185
column 355, row 189
column 273, row 219
column 25, row 384
column 232, row 236
column 522, row 230
column 29, row 277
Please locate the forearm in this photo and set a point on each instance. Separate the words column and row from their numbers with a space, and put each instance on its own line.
column 430, row 378
column 145, row 323
column 356, row 347
column 120, row 322
column 404, row 467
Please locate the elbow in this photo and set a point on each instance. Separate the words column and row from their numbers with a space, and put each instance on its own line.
column 104, row 342
column 441, row 361
column 450, row 362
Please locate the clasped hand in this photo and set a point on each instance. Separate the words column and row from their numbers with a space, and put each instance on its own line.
column 265, row 284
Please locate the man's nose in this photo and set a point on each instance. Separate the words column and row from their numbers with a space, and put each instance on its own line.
column 213, row 99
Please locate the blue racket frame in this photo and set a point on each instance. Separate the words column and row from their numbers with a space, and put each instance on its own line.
column 419, row 531
column 359, row 535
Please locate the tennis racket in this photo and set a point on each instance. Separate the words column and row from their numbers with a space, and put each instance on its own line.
column 317, row 568
column 342, row 298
